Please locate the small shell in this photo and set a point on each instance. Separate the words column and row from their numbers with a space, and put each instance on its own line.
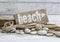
column 13, row 30
column 27, row 30
column 38, row 26
column 45, row 28
column 9, row 29
column 33, row 32
column 42, row 32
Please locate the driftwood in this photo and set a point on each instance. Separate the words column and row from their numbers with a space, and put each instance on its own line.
column 32, row 25
column 25, row 26
column 57, row 28
column 3, row 20
column 51, row 26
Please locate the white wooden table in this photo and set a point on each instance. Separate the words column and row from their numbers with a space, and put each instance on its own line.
column 26, row 38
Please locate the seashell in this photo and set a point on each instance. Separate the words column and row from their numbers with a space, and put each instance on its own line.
column 27, row 30
column 9, row 27
column 38, row 26
column 57, row 33
column 33, row 32
column 21, row 32
column 42, row 32
column 13, row 30
column 45, row 28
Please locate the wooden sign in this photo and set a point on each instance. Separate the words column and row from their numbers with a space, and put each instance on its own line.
column 36, row 16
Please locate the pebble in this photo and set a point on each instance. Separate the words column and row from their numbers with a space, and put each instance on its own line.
column 57, row 33
column 49, row 34
column 21, row 32
column 27, row 30
column 33, row 29
column 33, row 32
column 42, row 32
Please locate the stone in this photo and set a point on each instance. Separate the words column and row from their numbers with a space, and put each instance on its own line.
column 57, row 33
column 42, row 32
column 21, row 32
column 27, row 30
column 49, row 34
column 33, row 29
column 33, row 32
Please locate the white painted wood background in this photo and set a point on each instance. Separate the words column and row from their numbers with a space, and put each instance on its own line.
column 16, row 6
column 8, row 7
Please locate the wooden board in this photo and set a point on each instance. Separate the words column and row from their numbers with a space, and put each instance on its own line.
column 3, row 20
column 36, row 16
